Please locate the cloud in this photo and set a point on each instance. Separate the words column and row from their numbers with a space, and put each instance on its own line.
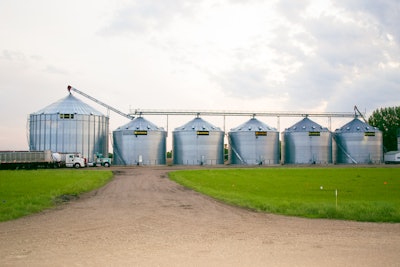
column 371, row 90
column 292, row 10
column 142, row 17
column 288, row 55
column 245, row 82
column 55, row 70
column 340, row 58
column 12, row 55
column 384, row 12
column 318, row 56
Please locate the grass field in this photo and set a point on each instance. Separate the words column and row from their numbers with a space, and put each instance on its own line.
column 363, row 194
column 27, row 192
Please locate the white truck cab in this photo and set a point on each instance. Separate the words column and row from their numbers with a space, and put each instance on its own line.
column 75, row 160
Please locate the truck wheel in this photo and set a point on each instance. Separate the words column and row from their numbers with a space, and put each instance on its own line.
column 106, row 164
column 77, row 165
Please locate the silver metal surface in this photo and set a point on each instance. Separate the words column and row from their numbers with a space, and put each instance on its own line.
column 306, row 142
column 254, row 143
column 69, row 125
column 69, row 105
column 240, row 113
column 139, row 142
column 198, row 143
column 359, row 143
column 100, row 102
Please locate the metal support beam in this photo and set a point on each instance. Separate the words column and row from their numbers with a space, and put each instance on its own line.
column 241, row 113
column 100, row 102
column 278, row 123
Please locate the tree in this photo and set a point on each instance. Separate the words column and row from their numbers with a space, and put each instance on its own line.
column 388, row 121
column 169, row 154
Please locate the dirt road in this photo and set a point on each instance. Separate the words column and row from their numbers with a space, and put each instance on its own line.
column 142, row 218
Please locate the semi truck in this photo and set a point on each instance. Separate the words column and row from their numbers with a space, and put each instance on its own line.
column 100, row 160
column 69, row 160
column 40, row 159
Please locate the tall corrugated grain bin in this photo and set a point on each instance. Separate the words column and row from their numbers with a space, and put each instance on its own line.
column 139, row 142
column 198, row 143
column 358, row 143
column 69, row 125
column 254, row 143
column 307, row 142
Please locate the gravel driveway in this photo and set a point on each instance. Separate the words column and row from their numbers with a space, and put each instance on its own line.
column 141, row 218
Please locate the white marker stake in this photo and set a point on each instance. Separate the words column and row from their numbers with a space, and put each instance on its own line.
column 336, row 198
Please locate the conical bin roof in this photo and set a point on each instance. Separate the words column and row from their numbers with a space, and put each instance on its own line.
column 198, row 124
column 355, row 126
column 140, row 124
column 306, row 125
column 69, row 105
column 253, row 125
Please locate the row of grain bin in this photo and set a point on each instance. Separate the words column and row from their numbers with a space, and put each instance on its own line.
column 69, row 125
column 198, row 142
column 307, row 142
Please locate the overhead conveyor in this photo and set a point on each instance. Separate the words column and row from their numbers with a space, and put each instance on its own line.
column 100, row 102
column 240, row 113
column 222, row 113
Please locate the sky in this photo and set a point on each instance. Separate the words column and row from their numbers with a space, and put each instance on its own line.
column 236, row 55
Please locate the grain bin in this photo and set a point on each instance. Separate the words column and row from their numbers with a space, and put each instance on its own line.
column 139, row 142
column 307, row 142
column 198, row 143
column 69, row 125
column 358, row 142
column 254, row 143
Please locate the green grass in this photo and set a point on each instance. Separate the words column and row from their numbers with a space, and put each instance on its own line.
column 364, row 194
column 27, row 192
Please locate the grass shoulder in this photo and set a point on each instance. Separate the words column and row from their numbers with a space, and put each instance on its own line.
column 26, row 192
column 360, row 194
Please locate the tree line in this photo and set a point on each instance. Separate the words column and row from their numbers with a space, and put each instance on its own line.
column 388, row 121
